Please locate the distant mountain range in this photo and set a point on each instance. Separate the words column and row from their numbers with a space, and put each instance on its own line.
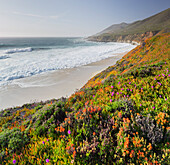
column 136, row 31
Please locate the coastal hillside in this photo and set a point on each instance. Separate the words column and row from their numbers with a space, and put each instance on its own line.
column 121, row 116
column 114, row 28
column 137, row 31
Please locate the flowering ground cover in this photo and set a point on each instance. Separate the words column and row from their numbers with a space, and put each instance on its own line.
column 121, row 116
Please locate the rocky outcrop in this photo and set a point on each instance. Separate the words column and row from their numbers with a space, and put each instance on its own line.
column 135, row 38
column 131, row 38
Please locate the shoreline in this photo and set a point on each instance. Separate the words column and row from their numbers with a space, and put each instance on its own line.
column 53, row 85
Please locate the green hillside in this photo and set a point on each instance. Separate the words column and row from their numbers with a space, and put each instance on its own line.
column 154, row 24
column 121, row 116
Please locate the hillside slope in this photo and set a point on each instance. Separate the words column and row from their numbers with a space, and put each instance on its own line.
column 136, row 31
column 114, row 28
column 121, row 116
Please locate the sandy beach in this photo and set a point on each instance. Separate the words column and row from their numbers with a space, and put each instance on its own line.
column 53, row 84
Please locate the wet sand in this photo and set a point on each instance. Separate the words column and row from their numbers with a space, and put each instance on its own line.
column 56, row 84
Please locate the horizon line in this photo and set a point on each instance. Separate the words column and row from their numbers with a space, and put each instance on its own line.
column 43, row 36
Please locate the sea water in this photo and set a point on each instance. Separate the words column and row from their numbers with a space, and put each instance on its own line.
column 26, row 57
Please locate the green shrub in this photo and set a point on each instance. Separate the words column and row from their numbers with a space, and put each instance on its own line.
column 12, row 139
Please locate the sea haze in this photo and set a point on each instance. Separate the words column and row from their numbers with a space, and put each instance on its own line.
column 25, row 57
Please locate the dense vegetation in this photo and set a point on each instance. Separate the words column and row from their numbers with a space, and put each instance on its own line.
column 121, row 116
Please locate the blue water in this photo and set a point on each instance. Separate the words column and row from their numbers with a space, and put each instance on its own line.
column 43, row 43
column 25, row 57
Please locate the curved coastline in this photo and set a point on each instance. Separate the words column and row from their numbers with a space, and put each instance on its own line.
column 56, row 84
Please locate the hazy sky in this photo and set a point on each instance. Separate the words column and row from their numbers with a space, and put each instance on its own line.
column 56, row 18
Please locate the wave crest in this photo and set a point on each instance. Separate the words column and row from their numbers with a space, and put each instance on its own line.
column 16, row 50
column 55, row 59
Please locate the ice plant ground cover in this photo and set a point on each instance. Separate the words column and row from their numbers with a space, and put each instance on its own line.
column 121, row 116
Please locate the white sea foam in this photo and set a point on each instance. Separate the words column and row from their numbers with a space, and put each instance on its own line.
column 16, row 50
column 26, row 64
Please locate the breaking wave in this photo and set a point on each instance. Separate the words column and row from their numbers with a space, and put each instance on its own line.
column 16, row 50
column 21, row 65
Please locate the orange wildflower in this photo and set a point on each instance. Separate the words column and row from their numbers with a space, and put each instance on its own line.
column 132, row 153
column 84, row 110
column 119, row 114
column 74, row 153
column 68, row 147
column 149, row 146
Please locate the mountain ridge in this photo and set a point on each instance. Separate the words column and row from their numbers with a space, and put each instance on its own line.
column 137, row 31
column 113, row 28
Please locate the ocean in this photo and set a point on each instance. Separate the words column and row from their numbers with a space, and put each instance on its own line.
column 26, row 57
